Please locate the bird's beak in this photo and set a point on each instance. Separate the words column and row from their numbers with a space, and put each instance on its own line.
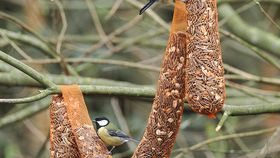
column 93, row 121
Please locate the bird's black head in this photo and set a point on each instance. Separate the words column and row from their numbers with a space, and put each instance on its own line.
column 101, row 122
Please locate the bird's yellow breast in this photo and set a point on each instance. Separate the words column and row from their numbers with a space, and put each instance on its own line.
column 107, row 139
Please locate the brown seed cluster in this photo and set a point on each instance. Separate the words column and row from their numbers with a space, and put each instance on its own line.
column 165, row 117
column 192, row 68
column 87, row 139
column 68, row 141
column 63, row 142
column 205, row 83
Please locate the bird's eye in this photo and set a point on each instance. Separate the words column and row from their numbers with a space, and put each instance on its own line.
column 103, row 122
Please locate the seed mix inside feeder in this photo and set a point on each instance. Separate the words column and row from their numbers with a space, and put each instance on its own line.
column 71, row 131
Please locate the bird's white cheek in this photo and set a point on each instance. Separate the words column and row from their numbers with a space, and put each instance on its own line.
column 102, row 122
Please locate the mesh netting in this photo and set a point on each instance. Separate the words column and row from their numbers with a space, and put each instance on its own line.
column 72, row 133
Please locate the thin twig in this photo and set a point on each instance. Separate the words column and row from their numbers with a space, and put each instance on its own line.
column 43, row 147
column 64, row 26
column 118, row 31
column 21, row 24
column 97, row 61
column 16, row 78
column 130, row 41
column 30, row 41
column 90, row 89
column 253, row 90
column 28, row 111
column 230, row 128
column 121, row 120
column 226, row 114
column 264, row 55
column 98, row 25
column 267, row 15
column 243, row 75
column 225, row 137
column 27, row 70
column 151, row 13
column 252, row 77
column 37, row 44
column 33, row 98
column 238, row 110
column 60, row 38
column 238, row 11
column 114, row 8
column 272, row 141
column 249, row 91
column 255, row 36
column 238, row 1
column 273, row 149
column 17, row 48
column 34, row 130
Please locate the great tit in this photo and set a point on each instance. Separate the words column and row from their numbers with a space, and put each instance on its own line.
column 110, row 134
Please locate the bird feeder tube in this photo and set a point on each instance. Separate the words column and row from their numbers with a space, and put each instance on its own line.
column 71, row 132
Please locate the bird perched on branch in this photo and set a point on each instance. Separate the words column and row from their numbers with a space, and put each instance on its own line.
column 110, row 134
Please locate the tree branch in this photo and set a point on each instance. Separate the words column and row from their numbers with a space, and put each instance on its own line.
column 238, row 1
column 36, row 43
column 264, row 55
column 27, row 70
column 16, row 78
column 226, row 137
column 143, row 91
column 30, row 41
column 21, row 24
column 235, row 110
column 33, row 98
column 252, row 77
column 28, row 111
column 97, row 61
column 253, row 35
column 151, row 13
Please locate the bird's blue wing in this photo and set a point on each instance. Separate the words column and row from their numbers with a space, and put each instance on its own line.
column 121, row 135
column 117, row 133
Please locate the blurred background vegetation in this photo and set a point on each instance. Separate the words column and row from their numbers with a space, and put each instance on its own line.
column 90, row 42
